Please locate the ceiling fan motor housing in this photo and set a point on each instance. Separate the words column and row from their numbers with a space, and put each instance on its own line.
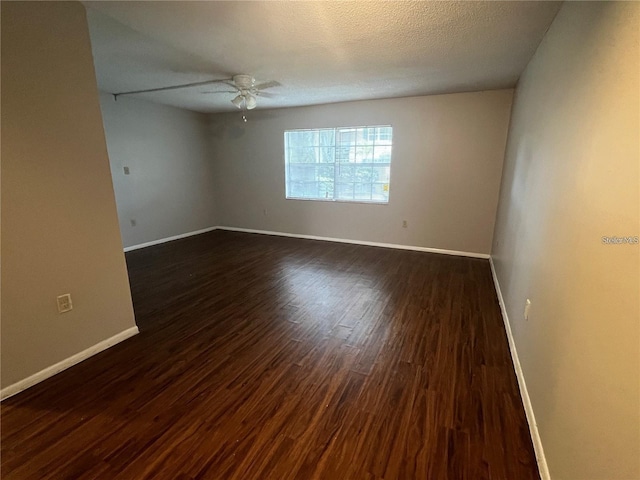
column 244, row 82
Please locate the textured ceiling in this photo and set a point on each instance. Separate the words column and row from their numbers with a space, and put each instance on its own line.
column 320, row 52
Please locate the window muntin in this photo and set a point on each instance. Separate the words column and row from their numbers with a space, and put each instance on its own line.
column 351, row 164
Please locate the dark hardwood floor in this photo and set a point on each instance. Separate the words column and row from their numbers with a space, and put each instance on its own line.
column 273, row 358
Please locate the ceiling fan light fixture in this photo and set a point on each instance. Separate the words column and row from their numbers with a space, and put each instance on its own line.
column 238, row 101
column 250, row 101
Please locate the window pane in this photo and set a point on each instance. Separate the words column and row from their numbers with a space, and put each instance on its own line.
column 370, row 134
column 362, row 191
column 327, row 154
column 301, row 173
column 383, row 136
column 361, row 136
column 325, row 190
column 295, row 155
column 345, row 173
column 364, row 154
column 378, row 192
column 310, row 154
column 295, row 189
column 382, row 153
column 344, row 191
column 363, row 174
column 295, row 139
column 311, row 190
column 324, row 173
column 346, row 137
column 381, row 174
column 327, row 137
column 345, row 154
column 303, row 155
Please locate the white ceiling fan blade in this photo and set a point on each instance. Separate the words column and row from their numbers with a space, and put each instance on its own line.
column 264, row 94
column 170, row 87
column 265, row 85
column 231, row 84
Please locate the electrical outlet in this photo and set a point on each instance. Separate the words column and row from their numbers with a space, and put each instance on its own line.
column 404, row 224
column 64, row 303
column 133, row 222
column 126, row 170
column 527, row 308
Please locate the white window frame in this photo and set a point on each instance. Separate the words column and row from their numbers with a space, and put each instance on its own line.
column 376, row 138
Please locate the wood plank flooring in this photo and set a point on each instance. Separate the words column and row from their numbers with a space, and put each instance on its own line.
column 276, row 358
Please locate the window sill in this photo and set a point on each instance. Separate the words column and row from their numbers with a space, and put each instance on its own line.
column 329, row 200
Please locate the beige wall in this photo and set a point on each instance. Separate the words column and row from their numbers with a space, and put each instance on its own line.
column 169, row 190
column 445, row 174
column 59, row 226
column 570, row 177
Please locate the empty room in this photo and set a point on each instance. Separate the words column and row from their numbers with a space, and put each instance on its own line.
column 385, row 240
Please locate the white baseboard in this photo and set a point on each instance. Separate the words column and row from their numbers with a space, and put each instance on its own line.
column 66, row 363
column 311, row 237
column 168, row 239
column 524, row 393
column 359, row 242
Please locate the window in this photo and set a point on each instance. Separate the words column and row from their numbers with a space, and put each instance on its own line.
column 351, row 164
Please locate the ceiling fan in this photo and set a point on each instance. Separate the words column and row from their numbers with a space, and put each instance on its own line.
column 244, row 86
column 247, row 90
